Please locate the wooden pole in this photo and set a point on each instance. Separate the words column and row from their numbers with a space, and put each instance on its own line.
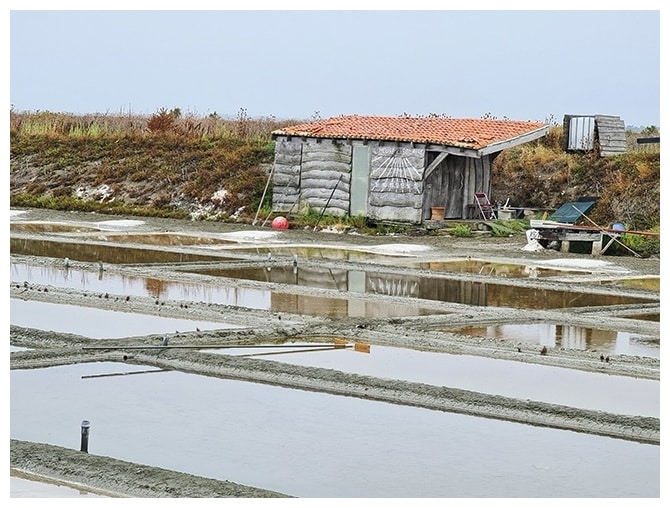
column 260, row 205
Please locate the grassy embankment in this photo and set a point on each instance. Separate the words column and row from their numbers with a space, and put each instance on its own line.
column 211, row 168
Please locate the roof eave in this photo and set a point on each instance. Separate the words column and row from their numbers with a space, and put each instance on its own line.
column 518, row 140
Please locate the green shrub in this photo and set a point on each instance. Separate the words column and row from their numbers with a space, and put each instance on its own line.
column 644, row 245
column 462, row 230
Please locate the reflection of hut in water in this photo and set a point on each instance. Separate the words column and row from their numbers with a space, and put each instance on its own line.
column 437, row 289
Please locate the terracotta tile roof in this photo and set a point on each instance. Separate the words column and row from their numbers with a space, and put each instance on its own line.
column 466, row 133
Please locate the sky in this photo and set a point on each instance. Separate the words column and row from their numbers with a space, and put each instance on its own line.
column 346, row 58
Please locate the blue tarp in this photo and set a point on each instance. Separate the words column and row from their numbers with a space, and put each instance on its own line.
column 567, row 213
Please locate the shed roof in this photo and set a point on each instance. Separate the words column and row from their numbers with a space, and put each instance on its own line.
column 473, row 134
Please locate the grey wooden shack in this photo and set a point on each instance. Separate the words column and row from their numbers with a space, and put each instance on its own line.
column 391, row 169
column 604, row 133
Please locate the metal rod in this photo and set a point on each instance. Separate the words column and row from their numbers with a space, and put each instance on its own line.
column 85, row 427
column 124, row 373
column 327, row 202
column 219, row 346
column 290, row 352
column 603, row 231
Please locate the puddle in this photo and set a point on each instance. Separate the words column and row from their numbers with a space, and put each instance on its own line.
column 568, row 337
column 167, row 239
column 499, row 377
column 22, row 488
column 48, row 227
column 646, row 283
column 331, row 254
column 309, row 444
column 483, row 267
column 645, row 317
column 124, row 285
column 105, row 253
column 99, row 324
column 412, row 286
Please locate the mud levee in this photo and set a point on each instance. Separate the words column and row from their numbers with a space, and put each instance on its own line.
column 79, row 470
column 642, row 429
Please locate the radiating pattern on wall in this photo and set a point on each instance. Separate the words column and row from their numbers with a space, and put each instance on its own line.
column 394, row 170
column 396, row 182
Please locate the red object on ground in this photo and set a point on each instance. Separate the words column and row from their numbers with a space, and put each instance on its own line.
column 279, row 223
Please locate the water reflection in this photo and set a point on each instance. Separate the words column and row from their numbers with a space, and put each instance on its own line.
column 309, row 444
column 327, row 253
column 166, row 239
column 99, row 283
column 482, row 267
column 48, row 227
column 99, row 324
column 92, row 253
column 555, row 385
column 429, row 288
column 23, row 488
column 569, row 337
column 646, row 283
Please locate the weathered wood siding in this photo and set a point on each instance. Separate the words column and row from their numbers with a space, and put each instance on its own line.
column 611, row 135
column 476, row 178
column 396, row 183
column 434, row 189
column 454, row 183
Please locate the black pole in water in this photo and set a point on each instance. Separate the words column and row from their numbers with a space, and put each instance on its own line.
column 85, row 426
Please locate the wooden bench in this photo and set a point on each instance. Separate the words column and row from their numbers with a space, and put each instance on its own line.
column 566, row 234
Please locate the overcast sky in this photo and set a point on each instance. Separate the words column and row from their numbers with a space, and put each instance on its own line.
column 296, row 64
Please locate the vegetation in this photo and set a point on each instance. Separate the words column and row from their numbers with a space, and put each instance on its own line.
column 542, row 175
column 175, row 165
column 461, row 230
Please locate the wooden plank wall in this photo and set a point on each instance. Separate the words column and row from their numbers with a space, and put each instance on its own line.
column 464, row 177
column 611, row 135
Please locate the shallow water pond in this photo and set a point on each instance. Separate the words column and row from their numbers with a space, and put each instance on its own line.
column 100, row 283
column 568, row 337
column 309, row 444
column 99, row 324
column 484, row 267
column 421, row 287
column 494, row 376
column 93, row 253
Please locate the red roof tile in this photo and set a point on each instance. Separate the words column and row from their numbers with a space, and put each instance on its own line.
column 467, row 133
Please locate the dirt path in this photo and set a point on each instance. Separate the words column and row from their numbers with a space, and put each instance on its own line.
column 415, row 332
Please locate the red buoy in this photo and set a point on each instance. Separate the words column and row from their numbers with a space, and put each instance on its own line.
column 279, row 223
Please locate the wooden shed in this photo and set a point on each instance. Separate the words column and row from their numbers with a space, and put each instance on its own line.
column 395, row 169
column 604, row 133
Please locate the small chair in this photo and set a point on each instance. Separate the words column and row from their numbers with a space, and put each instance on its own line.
column 486, row 208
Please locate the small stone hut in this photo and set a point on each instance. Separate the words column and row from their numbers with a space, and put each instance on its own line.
column 393, row 169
